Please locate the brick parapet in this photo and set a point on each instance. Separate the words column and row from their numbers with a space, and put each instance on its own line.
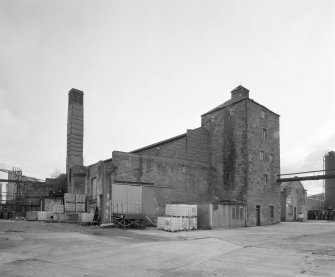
column 193, row 147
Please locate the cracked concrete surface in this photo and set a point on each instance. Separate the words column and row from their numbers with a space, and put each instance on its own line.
column 53, row 249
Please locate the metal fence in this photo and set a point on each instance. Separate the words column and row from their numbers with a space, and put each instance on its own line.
column 321, row 215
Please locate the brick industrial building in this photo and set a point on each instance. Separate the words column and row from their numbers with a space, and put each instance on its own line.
column 228, row 166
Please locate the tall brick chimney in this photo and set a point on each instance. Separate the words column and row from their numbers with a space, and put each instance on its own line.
column 75, row 130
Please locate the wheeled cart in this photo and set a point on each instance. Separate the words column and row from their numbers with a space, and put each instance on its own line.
column 129, row 220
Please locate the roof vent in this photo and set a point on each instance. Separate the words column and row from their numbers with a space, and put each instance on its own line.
column 239, row 93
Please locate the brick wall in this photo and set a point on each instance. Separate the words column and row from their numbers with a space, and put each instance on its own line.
column 175, row 180
column 261, row 192
column 50, row 202
column 92, row 177
column 37, row 189
column 98, row 187
column 75, row 129
column 77, row 179
column 227, row 136
column 197, row 145
column 235, row 139
column 192, row 146
column 173, row 149
column 106, row 172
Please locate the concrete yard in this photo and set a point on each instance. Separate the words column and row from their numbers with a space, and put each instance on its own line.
column 53, row 249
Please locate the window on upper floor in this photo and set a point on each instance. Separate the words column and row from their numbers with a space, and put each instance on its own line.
column 263, row 114
column 271, row 158
column 265, row 178
column 264, row 135
column 261, row 155
column 232, row 110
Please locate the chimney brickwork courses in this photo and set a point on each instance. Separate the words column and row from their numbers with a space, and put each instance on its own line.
column 75, row 129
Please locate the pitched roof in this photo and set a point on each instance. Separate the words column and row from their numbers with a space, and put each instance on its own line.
column 159, row 143
column 225, row 104
column 239, row 89
column 234, row 101
column 292, row 184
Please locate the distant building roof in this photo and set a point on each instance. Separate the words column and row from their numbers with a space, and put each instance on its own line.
column 31, row 179
column 292, row 184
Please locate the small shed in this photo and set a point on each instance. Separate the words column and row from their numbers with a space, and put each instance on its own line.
column 221, row 215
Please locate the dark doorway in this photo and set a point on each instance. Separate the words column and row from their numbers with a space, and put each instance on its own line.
column 295, row 214
column 258, row 215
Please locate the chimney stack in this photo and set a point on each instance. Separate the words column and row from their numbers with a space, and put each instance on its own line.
column 75, row 130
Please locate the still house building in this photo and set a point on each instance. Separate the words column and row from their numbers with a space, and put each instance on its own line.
column 227, row 166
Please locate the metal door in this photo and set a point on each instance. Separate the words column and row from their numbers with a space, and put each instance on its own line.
column 119, row 199
column 237, row 215
column 126, row 199
column 134, row 199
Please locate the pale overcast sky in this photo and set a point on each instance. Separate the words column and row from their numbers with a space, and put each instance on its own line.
column 149, row 69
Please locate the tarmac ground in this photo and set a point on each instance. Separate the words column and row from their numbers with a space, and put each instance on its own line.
column 40, row 249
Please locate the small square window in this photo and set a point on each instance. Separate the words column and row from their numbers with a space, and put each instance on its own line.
column 271, row 158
